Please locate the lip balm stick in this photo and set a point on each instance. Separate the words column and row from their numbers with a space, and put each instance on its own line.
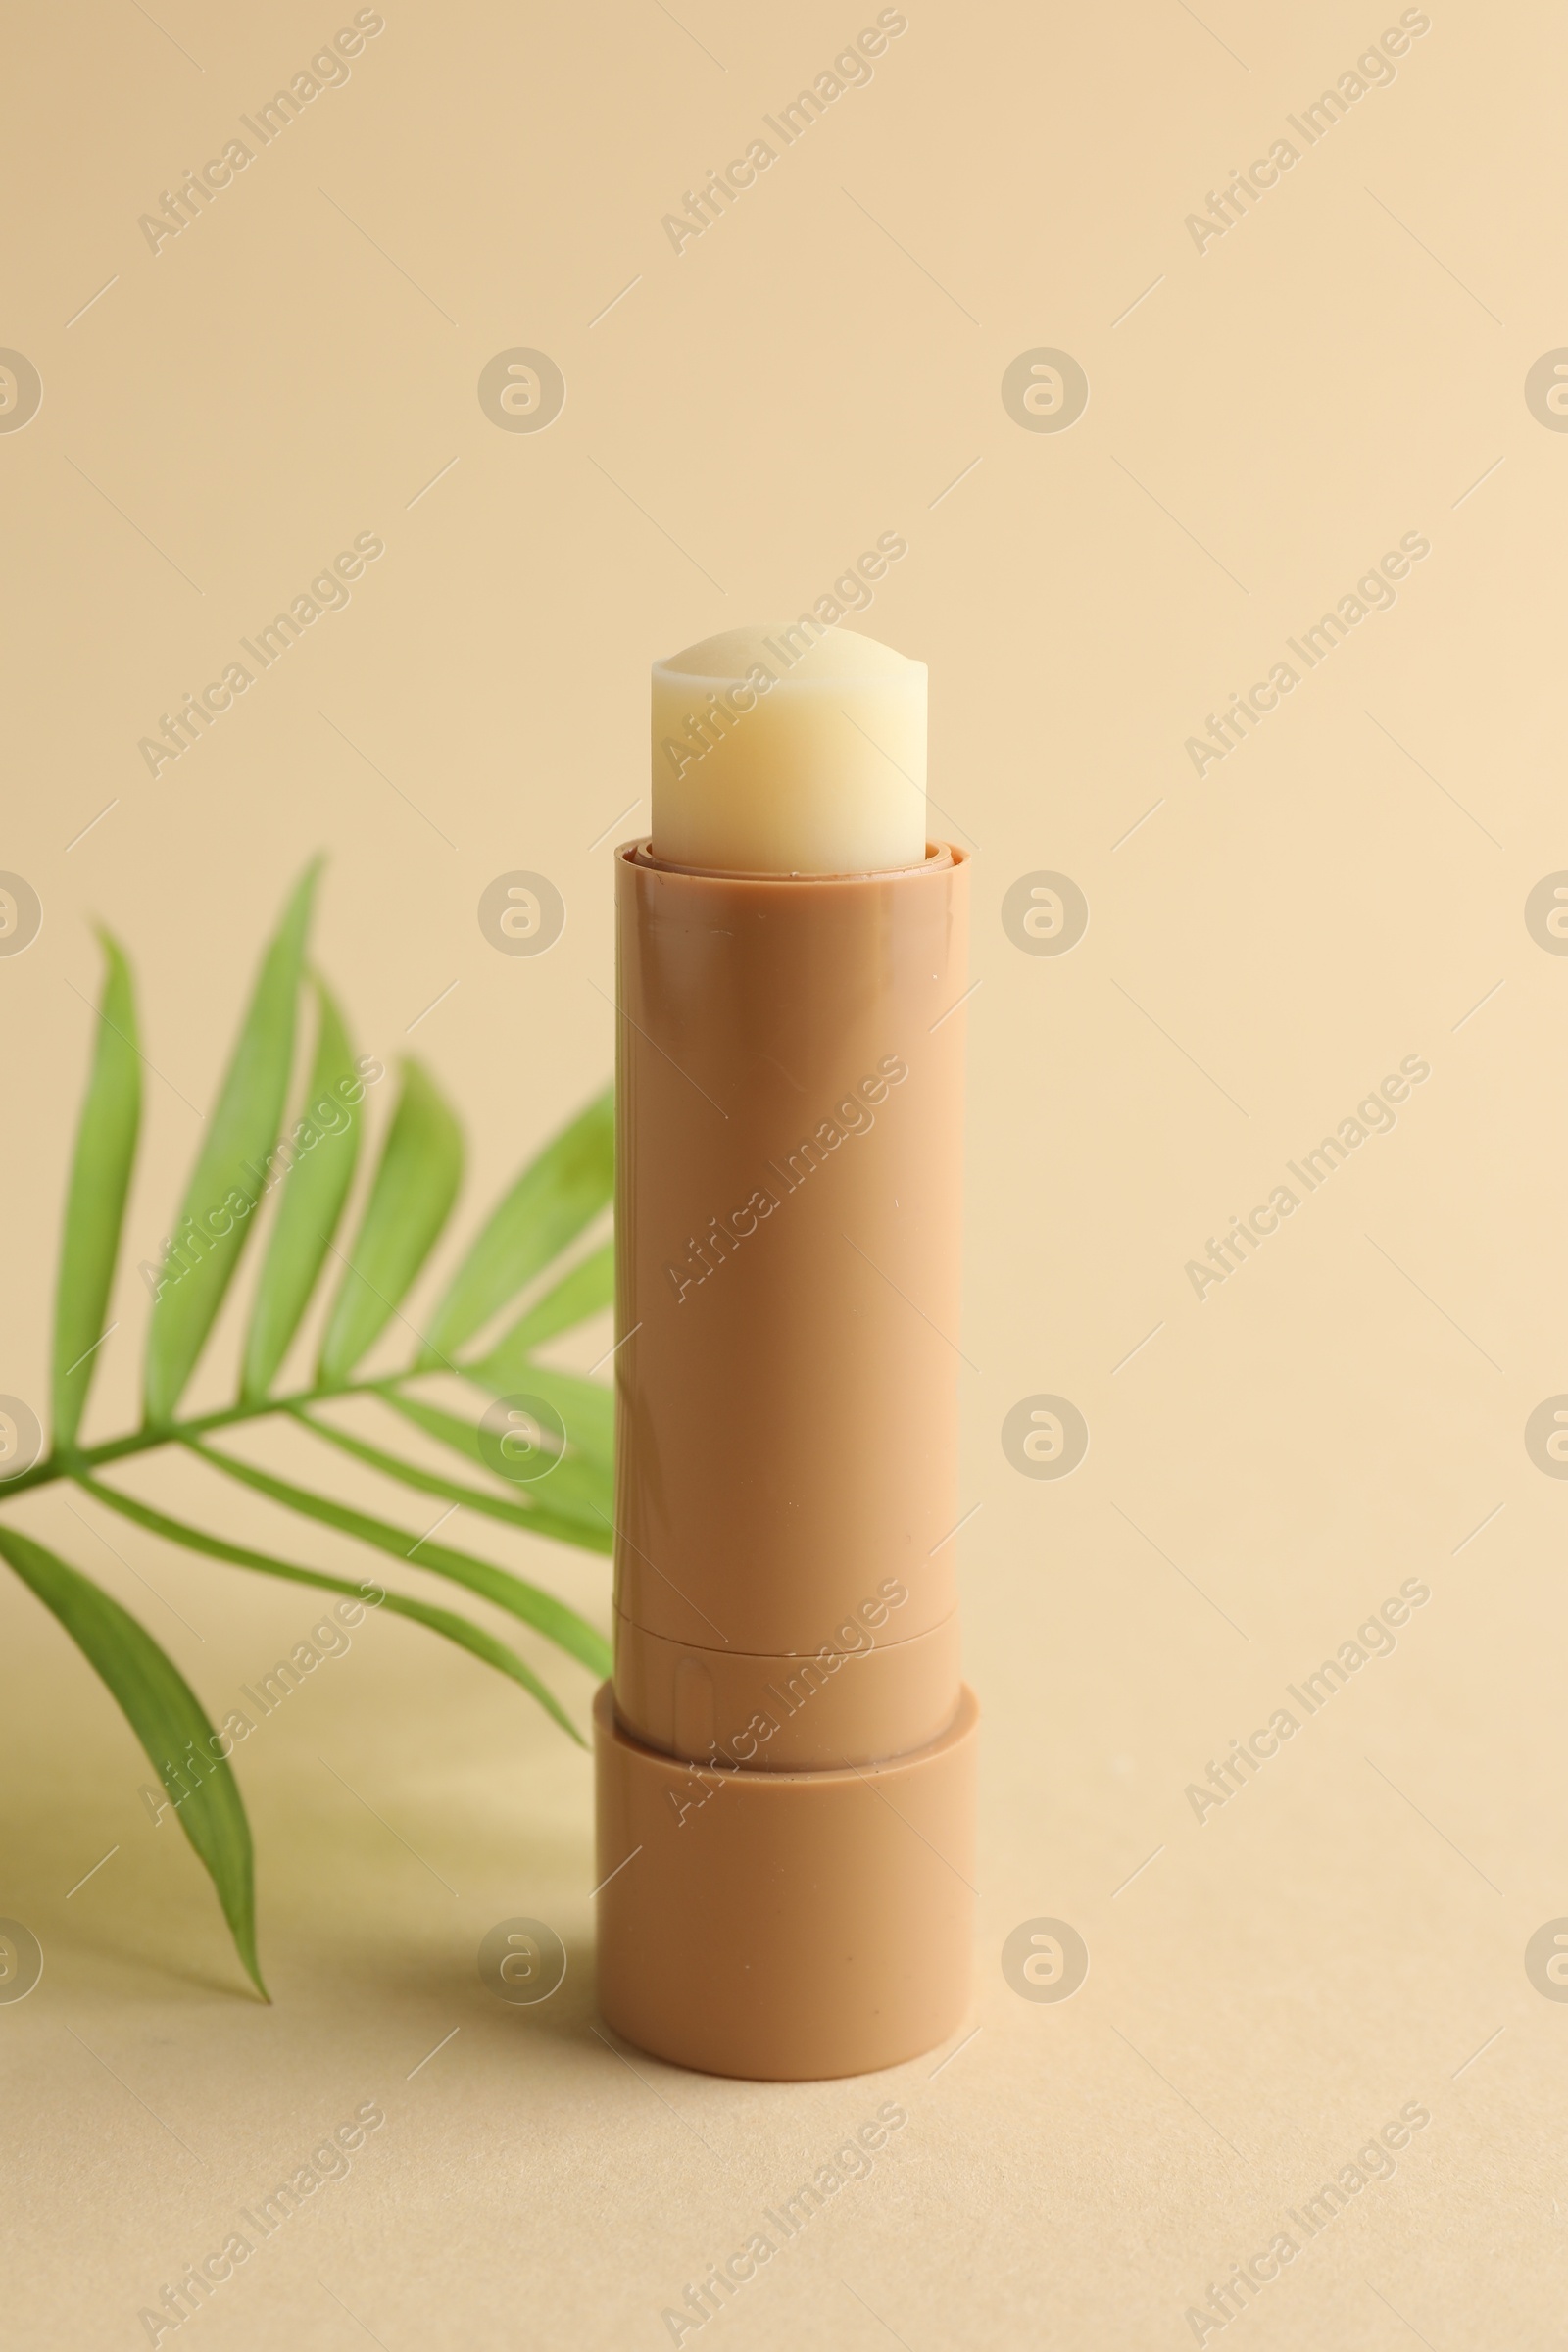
column 785, row 1756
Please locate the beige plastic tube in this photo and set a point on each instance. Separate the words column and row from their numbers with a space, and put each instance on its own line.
column 786, row 1757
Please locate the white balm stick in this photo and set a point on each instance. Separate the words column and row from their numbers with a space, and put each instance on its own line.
column 777, row 756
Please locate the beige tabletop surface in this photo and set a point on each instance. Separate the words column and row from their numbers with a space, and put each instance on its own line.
column 1308, row 2022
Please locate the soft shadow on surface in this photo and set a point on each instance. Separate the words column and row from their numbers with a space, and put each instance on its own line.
column 139, row 1966
column 137, row 1920
column 448, row 1984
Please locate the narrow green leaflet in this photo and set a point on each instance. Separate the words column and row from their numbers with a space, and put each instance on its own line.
column 306, row 1157
column 233, row 1168
column 325, row 1142
column 95, row 1206
column 580, row 1486
column 586, row 1291
column 415, row 1184
column 448, row 1429
column 538, row 1509
column 579, row 1493
column 587, row 1409
column 552, row 1199
column 456, row 1628
column 169, row 1720
column 547, row 1615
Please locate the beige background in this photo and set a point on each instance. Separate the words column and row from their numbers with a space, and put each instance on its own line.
column 1346, row 366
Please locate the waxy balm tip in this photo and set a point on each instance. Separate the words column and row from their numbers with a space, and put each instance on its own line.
column 776, row 753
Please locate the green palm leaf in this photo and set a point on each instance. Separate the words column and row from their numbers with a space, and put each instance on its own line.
column 584, row 1476
column 472, row 1637
column 231, row 1168
column 552, row 1199
column 414, row 1187
column 543, row 1515
column 549, row 1206
column 547, row 1615
column 169, row 1720
column 326, row 1139
column 95, row 1206
column 579, row 1492
column 448, row 1429
column 587, row 1410
column 581, row 1486
column 586, row 1291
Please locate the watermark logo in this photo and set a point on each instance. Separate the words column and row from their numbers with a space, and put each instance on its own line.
column 328, row 69
column 1546, row 913
column 521, row 390
column 327, row 593
column 1044, row 914
column 1045, row 1437
column 706, row 730
column 329, row 2161
column 22, row 1960
column 1374, row 592
column 855, row 2160
column 521, row 1437
column 1545, row 390
column 1546, row 1437
column 1546, row 1960
column 1373, row 2162
column 522, row 913
column 522, row 1961
column 850, row 69
column 21, row 391
column 1229, row 1774
column 853, row 1115
column 1045, row 391
column 20, row 1438
column 21, row 915
column 1374, row 1114
column 1373, row 69
column 1045, row 1960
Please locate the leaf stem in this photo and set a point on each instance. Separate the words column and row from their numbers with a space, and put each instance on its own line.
column 73, row 1461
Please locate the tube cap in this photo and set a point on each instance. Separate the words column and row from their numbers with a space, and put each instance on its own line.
column 786, row 1927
